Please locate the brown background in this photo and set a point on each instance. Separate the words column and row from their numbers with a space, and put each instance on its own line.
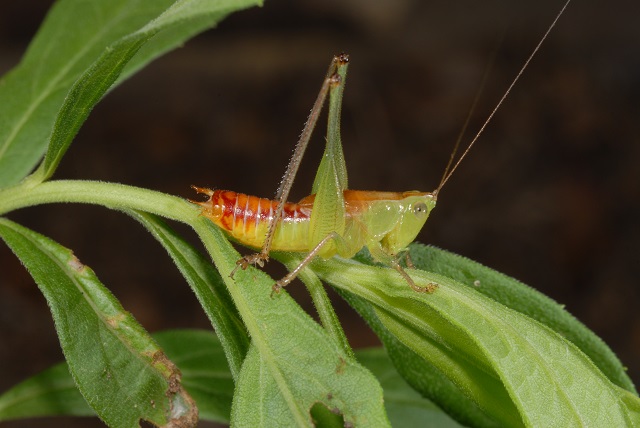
column 550, row 194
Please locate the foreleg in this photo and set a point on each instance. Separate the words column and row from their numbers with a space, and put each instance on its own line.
column 380, row 255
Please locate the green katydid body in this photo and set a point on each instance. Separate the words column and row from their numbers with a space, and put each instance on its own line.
column 333, row 220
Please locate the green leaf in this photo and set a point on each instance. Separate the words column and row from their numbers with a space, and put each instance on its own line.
column 51, row 392
column 207, row 378
column 292, row 363
column 81, row 50
column 424, row 377
column 118, row 368
column 208, row 286
column 405, row 407
column 522, row 298
column 517, row 371
column 198, row 354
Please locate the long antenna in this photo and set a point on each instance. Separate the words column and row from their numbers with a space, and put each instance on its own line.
column 495, row 109
column 472, row 109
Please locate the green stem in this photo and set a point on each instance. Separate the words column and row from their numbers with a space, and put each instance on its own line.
column 320, row 298
column 110, row 195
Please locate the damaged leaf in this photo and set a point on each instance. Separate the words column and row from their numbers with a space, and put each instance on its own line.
column 117, row 366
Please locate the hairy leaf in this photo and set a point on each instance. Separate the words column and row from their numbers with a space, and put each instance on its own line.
column 119, row 369
column 208, row 286
column 292, row 364
column 516, row 370
column 198, row 354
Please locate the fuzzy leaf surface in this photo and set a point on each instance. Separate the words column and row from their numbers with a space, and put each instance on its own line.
column 292, row 364
column 117, row 366
column 516, row 370
column 198, row 353
column 208, row 286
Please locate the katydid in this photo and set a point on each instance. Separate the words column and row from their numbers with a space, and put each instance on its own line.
column 333, row 220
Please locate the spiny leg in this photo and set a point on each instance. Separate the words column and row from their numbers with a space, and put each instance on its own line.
column 380, row 255
column 429, row 288
column 304, row 263
column 407, row 259
column 331, row 79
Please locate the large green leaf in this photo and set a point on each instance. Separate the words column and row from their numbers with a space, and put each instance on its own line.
column 516, row 370
column 206, row 376
column 82, row 49
column 292, row 364
column 198, row 354
column 424, row 377
column 522, row 298
column 405, row 407
column 208, row 286
column 51, row 392
column 119, row 369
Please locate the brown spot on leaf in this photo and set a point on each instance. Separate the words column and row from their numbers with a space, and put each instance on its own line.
column 114, row 322
column 75, row 264
column 183, row 412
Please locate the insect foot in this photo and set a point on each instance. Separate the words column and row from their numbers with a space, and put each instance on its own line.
column 252, row 259
column 429, row 288
column 276, row 289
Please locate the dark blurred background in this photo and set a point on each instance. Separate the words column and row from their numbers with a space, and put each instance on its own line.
column 550, row 194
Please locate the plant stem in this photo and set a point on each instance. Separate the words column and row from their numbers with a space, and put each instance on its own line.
column 111, row 195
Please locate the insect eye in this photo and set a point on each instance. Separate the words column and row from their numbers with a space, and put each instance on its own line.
column 420, row 210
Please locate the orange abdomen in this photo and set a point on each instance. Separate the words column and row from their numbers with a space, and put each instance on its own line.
column 247, row 218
